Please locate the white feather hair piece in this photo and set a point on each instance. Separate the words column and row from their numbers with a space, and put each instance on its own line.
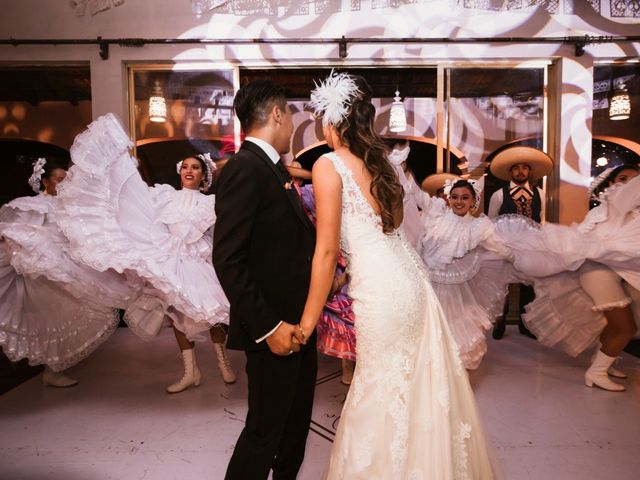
column 332, row 98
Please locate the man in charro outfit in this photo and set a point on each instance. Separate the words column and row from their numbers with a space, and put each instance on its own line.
column 520, row 166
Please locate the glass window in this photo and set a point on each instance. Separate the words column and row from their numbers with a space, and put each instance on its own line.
column 176, row 113
column 42, row 109
column 616, row 123
column 489, row 109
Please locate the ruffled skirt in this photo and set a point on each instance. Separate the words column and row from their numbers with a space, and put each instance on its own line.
column 112, row 222
column 43, row 322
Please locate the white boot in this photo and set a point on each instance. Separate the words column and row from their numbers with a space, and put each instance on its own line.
column 613, row 371
column 597, row 373
column 191, row 373
column 347, row 371
column 223, row 363
column 57, row 379
column 616, row 373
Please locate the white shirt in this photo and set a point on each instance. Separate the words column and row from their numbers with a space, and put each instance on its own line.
column 496, row 200
column 274, row 156
column 266, row 148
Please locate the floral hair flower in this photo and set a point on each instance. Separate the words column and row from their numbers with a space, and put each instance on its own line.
column 475, row 184
column 210, row 167
column 36, row 176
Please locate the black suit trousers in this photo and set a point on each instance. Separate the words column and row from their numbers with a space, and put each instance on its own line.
column 280, row 399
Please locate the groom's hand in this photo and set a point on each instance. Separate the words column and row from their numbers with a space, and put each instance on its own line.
column 281, row 341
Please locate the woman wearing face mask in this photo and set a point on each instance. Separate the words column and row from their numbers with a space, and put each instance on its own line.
column 53, row 311
column 587, row 277
column 158, row 237
column 469, row 266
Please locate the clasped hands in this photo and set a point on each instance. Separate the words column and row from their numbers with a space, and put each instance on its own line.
column 287, row 339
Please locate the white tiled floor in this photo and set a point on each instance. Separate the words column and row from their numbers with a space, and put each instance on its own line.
column 119, row 424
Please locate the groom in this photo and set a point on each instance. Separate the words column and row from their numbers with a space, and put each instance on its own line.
column 263, row 244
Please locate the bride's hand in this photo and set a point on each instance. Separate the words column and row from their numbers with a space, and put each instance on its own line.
column 301, row 334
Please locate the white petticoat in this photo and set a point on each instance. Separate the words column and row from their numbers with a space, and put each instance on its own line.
column 470, row 272
column 52, row 310
column 562, row 315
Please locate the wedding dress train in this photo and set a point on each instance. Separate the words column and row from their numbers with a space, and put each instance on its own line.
column 410, row 412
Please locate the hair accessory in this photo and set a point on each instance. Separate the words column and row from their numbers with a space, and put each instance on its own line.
column 332, row 98
column 477, row 188
column 36, row 176
column 210, row 167
column 598, row 182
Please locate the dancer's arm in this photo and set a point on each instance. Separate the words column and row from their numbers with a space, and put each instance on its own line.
column 327, row 187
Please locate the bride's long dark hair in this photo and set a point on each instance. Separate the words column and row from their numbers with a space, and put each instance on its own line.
column 357, row 132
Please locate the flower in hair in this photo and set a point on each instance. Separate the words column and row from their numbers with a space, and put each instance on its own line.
column 36, row 176
column 210, row 167
column 475, row 184
column 332, row 98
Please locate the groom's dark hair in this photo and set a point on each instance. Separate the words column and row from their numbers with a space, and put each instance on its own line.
column 254, row 101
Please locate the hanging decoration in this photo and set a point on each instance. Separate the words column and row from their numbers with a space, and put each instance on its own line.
column 620, row 106
column 397, row 115
column 157, row 105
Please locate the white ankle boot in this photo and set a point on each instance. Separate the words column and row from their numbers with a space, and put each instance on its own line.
column 347, row 371
column 57, row 379
column 598, row 373
column 191, row 373
column 616, row 373
column 613, row 371
column 223, row 363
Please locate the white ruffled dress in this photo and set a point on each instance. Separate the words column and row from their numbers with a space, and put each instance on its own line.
column 53, row 310
column 470, row 270
column 156, row 236
column 563, row 316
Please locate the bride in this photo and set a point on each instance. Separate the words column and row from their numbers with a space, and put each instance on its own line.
column 410, row 412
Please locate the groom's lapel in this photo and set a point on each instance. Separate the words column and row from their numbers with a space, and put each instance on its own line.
column 291, row 193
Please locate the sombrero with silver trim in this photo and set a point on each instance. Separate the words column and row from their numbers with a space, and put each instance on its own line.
column 434, row 182
column 539, row 162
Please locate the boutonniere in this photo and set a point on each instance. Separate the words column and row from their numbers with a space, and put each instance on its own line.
column 288, row 185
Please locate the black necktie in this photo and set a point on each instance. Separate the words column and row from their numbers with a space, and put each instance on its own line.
column 285, row 173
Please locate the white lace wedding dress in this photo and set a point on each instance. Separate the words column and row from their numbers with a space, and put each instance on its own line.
column 410, row 412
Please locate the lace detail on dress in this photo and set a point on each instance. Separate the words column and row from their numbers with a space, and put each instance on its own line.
column 409, row 382
column 354, row 202
column 461, row 452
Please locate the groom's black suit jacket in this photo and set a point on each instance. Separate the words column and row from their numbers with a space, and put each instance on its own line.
column 263, row 244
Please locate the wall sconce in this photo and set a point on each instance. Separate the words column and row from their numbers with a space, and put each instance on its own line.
column 157, row 105
column 620, row 106
column 397, row 115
